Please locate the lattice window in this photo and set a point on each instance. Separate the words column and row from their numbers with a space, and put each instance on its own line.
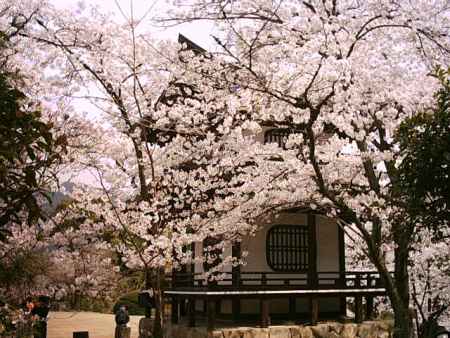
column 278, row 136
column 287, row 248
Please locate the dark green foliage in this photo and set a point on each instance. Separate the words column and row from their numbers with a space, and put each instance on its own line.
column 27, row 152
column 424, row 175
column 131, row 301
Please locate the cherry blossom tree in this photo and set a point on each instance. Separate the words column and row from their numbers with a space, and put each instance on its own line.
column 39, row 143
column 61, row 262
column 164, row 178
column 341, row 76
column 179, row 160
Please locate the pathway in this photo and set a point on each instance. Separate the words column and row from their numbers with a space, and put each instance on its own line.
column 99, row 325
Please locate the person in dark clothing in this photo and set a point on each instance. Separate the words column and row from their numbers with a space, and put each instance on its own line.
column 122, row 318
column 40, row 313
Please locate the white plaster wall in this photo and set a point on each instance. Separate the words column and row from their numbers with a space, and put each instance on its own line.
column 256, row 246
column 327, row 244
column 327, row 258
column 257, row 261
column 198, row 254
column 327, row 261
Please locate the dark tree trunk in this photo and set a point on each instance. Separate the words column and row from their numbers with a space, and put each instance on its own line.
column 154, row 280
column 398, row 287
column 404, row 327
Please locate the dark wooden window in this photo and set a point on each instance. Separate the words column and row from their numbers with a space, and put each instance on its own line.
column 287, row 248
column 278, row 136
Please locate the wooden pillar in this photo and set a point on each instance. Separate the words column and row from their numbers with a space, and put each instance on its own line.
column 192, row 265
column 292, row 309
column 191, row 312
column 312, row 267
column 182, row 305
column 312, row 254
column 236, row 281
column 358, row 309
column 369, row 307
column 218, row 306
column 175, row 309
column 211, row 314
column 314, row 309
column 342, row 281
column 265, row 316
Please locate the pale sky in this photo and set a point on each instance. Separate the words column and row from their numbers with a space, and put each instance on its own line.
column 199, row 32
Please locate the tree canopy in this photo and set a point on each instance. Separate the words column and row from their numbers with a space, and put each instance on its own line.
column 424, row 172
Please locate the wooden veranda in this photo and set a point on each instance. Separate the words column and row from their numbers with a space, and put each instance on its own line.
column 187, row 288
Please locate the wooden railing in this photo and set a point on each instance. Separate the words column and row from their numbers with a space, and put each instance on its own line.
column 273, row 280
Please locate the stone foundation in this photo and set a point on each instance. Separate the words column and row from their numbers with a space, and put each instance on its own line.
column 369, row 329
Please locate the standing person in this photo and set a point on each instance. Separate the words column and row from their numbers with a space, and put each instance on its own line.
column 40, row 313
column 122, row 318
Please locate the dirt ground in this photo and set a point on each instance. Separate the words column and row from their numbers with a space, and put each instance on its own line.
column 63, row 324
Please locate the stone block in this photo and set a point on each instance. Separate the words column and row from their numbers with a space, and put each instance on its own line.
column 296, row 331
column 234, row 333
column 258, row 333
column 349, row 331
column 279, row 332
column 367, row 330
column 336, row 328
column 306, row 332
column 194, row 332
column 320, row 330
column 385, row 325
column 216, row 334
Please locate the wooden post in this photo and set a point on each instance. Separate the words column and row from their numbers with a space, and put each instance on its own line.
column 312, row 267
column 314, row 308
column 358, row 301
column 342, row 281
column 312, row 254
column 263, row 279
column 211, row 313
column 183, row 311
column 218, row 306
column 192, row 267
column 358, row 309
column 191, row 312
column 236, row 281
column 175, row 309
column 369, row 307
column 292, row 309
column 265, row 317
